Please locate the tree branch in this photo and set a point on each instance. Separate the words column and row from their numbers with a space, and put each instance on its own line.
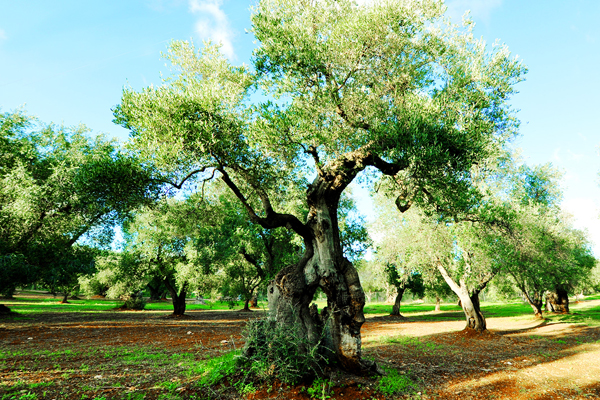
column 453, row 285
column 272, row 219
column 180, row 184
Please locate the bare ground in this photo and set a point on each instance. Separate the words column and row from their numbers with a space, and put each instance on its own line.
column 91, row 355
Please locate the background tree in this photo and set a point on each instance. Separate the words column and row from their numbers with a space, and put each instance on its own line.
column 388, row 86
column 61, row 276
column 175, row 242
column 541, row 252
column 391, row 252
column 59, row 187
column 402, row 281
column 462, row 253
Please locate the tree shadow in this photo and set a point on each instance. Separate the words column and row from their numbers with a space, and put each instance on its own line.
column 451, row 363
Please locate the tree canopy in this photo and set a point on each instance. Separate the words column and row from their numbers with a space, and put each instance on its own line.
column 59, row 187
column 390, row 86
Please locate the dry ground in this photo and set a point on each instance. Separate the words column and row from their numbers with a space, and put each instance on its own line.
column 136, row 355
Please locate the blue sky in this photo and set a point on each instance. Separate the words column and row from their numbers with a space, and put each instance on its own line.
column 67, row 61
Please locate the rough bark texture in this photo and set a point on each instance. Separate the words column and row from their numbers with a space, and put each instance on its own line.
column 247, row 305
column 323, row 265
column 397, row 301
column 559, row 300
column 472, row 310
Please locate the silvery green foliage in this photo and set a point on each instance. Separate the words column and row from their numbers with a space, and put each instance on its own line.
column 342, row 87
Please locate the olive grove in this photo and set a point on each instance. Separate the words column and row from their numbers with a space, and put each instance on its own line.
column 387, row 88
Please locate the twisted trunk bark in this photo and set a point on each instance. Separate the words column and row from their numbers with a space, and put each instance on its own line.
column 559, row 300
column 323, row 265
column 472, row 310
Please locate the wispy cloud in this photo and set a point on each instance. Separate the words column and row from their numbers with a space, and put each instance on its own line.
column 556, row 155
column 3, row 34
column 213, row 24
column 480, row 9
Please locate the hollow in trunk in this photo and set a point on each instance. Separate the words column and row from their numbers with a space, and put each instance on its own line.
column 559, row 300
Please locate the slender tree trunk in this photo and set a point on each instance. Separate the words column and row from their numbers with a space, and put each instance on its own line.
column 65, row 298
column 437, row 304
column 536, row 303
column 396, row 307
column 468, row 302
column 178, row 299
column 246, row 304
column 537, row 310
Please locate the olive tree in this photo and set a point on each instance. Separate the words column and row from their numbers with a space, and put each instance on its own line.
column 60, row 190
column 462, row 253
column 178, row 243
column 544, row 256
column 388, row 86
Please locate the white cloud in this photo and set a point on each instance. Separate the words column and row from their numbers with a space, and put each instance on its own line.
column 556, row 155
column 480, row 9
column 213, row 24
column 586, row 214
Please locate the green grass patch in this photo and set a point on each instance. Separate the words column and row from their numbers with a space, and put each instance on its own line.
column 212, row 371
column 395, row 383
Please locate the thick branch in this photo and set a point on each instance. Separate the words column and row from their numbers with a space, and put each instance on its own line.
column 272, row 219
column 453, row 285
column 385, row 167
column 252, row 260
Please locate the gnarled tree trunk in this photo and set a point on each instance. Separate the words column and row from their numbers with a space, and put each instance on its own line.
column 324, row 265
column 472, row 310
column 559, row 300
